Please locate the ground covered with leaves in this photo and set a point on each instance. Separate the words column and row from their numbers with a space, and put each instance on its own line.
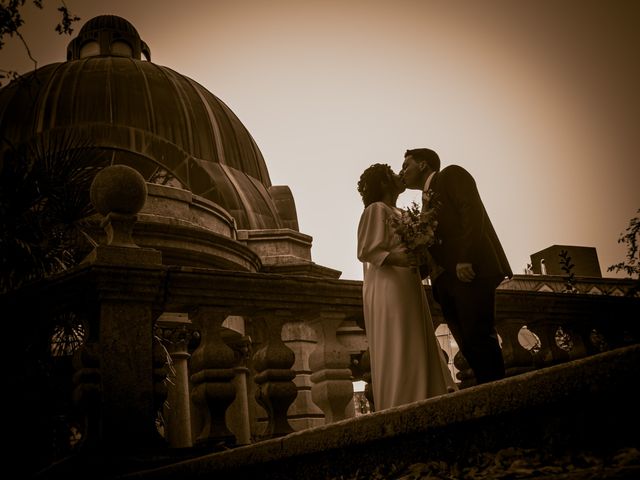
column 516, row 463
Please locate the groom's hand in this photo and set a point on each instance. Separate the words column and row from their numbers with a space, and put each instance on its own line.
column 465, row 272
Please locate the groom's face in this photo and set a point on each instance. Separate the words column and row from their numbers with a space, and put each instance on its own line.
column 412, row 173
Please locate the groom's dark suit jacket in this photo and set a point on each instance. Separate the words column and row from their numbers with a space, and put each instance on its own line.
column 464, row 233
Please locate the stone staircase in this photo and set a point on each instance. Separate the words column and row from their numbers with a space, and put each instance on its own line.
column 576, row 420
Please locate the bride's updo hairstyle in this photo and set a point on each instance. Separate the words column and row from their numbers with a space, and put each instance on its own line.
column 373, row 182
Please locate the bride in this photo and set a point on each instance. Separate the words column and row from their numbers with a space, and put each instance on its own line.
column 407, row 363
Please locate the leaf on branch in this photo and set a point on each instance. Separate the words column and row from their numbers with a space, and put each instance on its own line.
column 631, row 266
column 64, row 27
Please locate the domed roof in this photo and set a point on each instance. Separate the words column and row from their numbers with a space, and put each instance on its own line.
column 164, row 124
column 108, row 35
column 108, row 22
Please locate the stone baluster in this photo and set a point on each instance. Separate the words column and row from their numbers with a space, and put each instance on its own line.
column 238, row 418
column 365, row 365
column 550, row 353
column 177, row 332
column 301, row 338
column 275, row 390
column 212, row 374
column 352, row 336
column 577, row 336
column 330, row 362
column 364, row 362
column 591, row 336
column 517, row 358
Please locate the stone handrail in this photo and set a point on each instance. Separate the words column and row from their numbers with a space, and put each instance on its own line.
column 118, row 306
column 118, row 372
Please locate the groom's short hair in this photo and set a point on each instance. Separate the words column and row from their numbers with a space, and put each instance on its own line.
column 425, row 155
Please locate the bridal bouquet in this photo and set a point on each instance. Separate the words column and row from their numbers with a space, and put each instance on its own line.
column 416, row 229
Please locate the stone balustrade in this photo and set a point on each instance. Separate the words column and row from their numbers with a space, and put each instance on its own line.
column 289, row 369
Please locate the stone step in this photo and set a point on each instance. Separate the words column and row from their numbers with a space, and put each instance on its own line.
column 586, row 407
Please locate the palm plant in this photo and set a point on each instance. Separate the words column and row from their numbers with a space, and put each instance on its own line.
column 44, row 203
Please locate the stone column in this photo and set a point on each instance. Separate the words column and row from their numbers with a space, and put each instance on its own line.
column 330, row 362
column 177, row 331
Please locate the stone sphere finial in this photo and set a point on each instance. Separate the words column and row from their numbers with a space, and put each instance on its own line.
column 118, row 189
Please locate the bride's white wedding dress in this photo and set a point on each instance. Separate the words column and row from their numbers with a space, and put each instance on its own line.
column 407, row 363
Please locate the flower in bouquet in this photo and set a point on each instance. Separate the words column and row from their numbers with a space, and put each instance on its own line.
column 416, row 228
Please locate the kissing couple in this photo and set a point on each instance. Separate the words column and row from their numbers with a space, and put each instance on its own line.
column 465, row 261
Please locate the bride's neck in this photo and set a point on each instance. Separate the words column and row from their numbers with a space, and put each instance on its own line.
column 390, row 200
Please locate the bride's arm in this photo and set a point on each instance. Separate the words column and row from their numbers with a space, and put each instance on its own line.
column 374, row 239
column 400, row 259
column 373, row 242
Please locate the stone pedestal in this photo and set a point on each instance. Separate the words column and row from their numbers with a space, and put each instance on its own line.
column 126, row 318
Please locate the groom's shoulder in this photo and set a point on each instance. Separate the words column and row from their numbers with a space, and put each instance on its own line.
column 453, row 170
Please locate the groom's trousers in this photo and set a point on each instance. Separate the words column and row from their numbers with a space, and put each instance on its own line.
column 469, row 311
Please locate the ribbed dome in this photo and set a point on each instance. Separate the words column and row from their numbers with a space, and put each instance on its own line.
column 164, row 124
column 108, row 22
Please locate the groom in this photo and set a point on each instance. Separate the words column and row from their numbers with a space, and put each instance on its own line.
column 468, row 249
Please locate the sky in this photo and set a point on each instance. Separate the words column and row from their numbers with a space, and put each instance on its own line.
column 538, row 100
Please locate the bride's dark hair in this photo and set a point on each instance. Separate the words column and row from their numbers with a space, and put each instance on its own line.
column 373, row 181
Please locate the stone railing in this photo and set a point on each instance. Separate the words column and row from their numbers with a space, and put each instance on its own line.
column 288, row 366
column 538, row 330
column 113, row 321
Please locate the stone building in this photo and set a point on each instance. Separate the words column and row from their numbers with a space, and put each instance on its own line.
column 211, row 200
column 549, row 262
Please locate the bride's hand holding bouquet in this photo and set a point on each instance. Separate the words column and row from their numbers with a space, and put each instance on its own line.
column 416, row 228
